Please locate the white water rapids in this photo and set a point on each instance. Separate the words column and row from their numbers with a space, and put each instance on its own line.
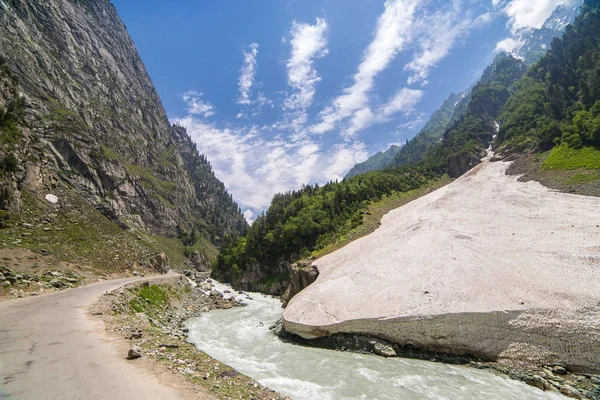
column 240, row 338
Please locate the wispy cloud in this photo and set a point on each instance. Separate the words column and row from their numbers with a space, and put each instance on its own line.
column 254, row 168
column 391, row 34
column 403, row 25
column 246, row 79
column 308, row 43
column 196, row 105
column 436, row 35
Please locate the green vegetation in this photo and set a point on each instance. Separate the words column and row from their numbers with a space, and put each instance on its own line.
column 150, row 180
column 564, row 157
column 12, row 117
column 64, row 119
column 429, row 137
column 309, row 221
column 558, row 101
column 108, row 153
column 377, row 162
column 148, row 299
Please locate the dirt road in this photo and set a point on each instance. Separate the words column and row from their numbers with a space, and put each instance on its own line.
column 49, row 349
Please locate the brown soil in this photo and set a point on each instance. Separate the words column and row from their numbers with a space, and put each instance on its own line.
column 529, row 166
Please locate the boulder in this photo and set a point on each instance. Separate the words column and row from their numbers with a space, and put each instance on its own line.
column 302, row 274
column 134, row 352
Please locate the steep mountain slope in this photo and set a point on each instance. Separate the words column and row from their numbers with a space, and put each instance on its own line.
column 452, row 109
column 428, row 137
column 80, row 116
column 376, row 162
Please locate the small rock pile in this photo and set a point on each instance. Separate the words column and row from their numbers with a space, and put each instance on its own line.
column 20, row 283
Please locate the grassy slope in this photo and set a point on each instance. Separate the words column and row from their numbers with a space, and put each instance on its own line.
column 75, row 232
column 376, row 210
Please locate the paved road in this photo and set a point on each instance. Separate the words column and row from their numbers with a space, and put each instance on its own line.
column 49, row 349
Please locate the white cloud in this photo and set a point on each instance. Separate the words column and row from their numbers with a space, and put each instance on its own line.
column 508, row 45
column 197, row 106
column 249, row 215
column 254, row 167
column 404, row 24
column 524, row 14
column 436, row 35
column 403, row 101
column 246, row 79
column 308, row 43
column 391, row 34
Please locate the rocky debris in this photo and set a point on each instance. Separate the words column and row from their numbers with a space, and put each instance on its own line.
column 157, row 261
column 302, row 274
column 135, row 334
column 22, row 284
column 164, row 334
column 460, row 163
column 134, row 352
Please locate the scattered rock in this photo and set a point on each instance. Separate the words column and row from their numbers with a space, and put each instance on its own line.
column 134, row 352
column 558, row 370
column 50, row 198
column 169, row 346
column 57, row 283
column 384, row 350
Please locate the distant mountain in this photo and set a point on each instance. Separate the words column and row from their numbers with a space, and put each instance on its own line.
column 535, row 42
column 378, row 161
column 428, row 136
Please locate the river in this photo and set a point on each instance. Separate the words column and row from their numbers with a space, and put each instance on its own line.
column 240, row 338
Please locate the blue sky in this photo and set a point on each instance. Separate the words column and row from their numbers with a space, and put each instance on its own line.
column 280, row 93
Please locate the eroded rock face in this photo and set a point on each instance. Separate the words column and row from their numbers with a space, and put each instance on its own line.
column 302, row 274
column 94, row 121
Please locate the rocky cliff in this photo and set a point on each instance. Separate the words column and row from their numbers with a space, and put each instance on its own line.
column 86, row 117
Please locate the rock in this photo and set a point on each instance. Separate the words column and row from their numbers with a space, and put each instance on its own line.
column 55, row 274
column 302, row 274
column 169, row 346
column 2, row 278
column 538, row 382
column 57, row 283
column 134, row 352
column 383, row 349
column 558, row 370
column 135, row 335
column 215, row 293
column 52, row 199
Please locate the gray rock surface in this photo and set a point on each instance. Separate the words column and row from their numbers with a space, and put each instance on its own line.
column 94, row 122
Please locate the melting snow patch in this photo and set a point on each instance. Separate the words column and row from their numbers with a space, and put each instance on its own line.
column 52, row 198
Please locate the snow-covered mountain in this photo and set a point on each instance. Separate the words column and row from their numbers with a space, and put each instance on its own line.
column 534, row 43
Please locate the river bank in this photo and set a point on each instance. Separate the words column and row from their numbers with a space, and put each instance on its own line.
column 147, row 318
column 486, row 266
